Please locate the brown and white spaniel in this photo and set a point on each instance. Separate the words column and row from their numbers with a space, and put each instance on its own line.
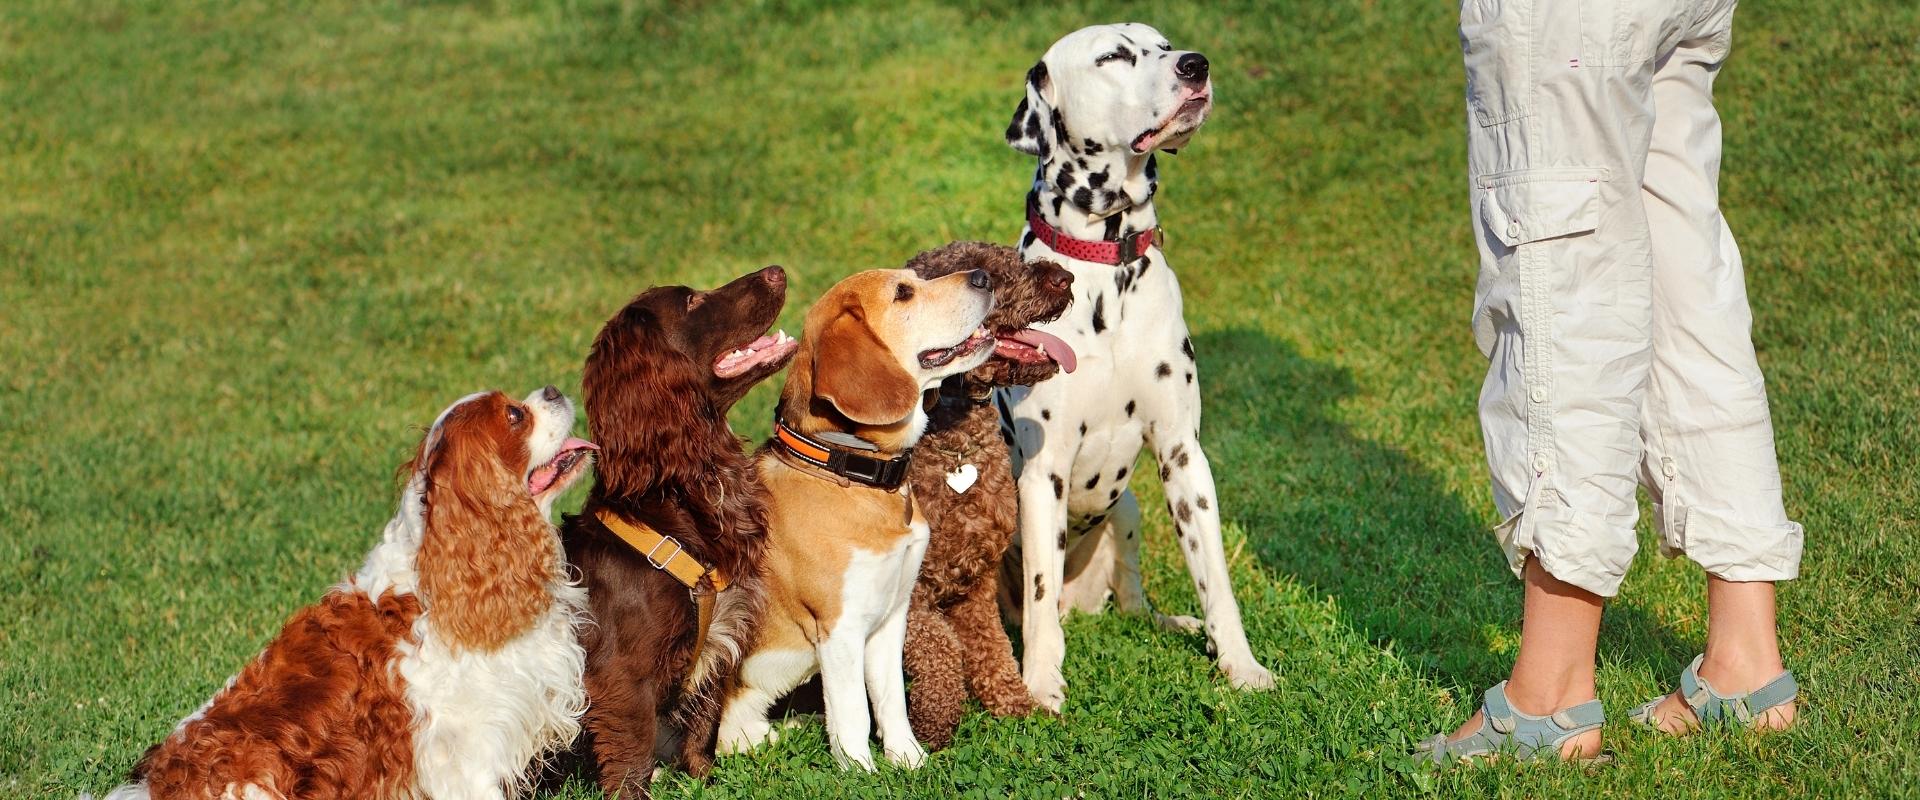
column 444, row 668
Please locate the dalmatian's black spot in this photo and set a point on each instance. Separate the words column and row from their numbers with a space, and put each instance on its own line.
column 1083, row 198
column 1178, row 451
column 1091, row 147
column 1109, row 199
column 1130, row 406
column 1082, row 162
column 1027, row 240
column 1179, row 532
column 1189, row 377
column 1121, row 475
column 1165, row 473
column 1113, row 495
column 1100, row 314
column 1039, row 589
column 1083, row 429
column 1046, row 414
column 1059, row 487
column 1201, row 586
column 1058, row 201
column 1145, row 262
column 1183, row 511
column 1092, row 482
column 1112, row 233
column 1193, row 544
column 1186, row 346
column 1060, row 542
column 1096, row 519
column 1059, row 126
column 1203, row 503
column 1097, row 179
column 1153, row 169
column 1163, row 370
column 1183, row 459
column 1064, row 180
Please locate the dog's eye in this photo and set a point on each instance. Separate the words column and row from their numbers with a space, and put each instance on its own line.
column 516, row 416
column 1113, row 56
column 902, row 293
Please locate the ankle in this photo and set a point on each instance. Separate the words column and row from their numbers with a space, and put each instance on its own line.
column 1742, row 670
column 1542, row 697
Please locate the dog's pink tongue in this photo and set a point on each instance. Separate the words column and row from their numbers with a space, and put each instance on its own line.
column 1056, row 349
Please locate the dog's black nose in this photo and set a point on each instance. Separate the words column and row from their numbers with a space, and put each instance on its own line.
column 1191, row 66
column 551, row 394
column 979, row 279
column 775, row 276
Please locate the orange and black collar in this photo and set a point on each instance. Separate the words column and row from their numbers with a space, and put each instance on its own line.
column 880, row 473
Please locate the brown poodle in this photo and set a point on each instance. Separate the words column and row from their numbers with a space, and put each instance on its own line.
column 963, row 483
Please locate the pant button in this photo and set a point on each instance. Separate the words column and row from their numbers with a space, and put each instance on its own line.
column 1513, row 230
column 1667, row 468
column 1539, row 462
column 1537, row 394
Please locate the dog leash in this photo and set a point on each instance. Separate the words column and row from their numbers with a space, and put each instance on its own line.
column 677, row 563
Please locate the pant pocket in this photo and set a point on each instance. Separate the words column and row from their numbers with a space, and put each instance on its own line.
column 1496, row 38
column 1619, row 33
column 1534, row 204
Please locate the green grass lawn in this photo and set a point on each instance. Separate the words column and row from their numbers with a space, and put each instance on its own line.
column 247, row 252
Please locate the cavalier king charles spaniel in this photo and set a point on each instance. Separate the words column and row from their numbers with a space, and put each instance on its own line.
column 445, row 668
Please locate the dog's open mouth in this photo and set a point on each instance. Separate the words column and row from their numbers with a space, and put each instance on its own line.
column 772, row 348
column 942, row 356
column 1182, row 121
column 1032, row 346
column 555, row 475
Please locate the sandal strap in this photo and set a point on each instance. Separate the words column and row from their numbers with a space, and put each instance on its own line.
column 1505, row 728
column 1712, row 707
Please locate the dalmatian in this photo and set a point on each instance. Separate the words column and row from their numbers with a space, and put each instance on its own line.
column 1098, row 106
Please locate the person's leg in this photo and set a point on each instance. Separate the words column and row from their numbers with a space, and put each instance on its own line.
column 1557, row 138
column 1710, row 463
column 1555, row 667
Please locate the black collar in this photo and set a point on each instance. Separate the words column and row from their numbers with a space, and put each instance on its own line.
column 880, row 473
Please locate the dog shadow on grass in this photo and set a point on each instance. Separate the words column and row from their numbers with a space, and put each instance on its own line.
column 1405, row 558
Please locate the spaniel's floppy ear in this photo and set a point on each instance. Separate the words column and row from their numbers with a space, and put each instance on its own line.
column 1033, row 128
column 483, row 561
column 855, row 371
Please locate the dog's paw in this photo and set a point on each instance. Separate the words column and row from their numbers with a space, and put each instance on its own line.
column 1247, row 675
column 734, row 741
column 859, row 755
column 1049, row 690
column 908, row 755
column 1180, row 623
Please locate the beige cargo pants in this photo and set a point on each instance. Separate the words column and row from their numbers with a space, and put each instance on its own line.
column 1611, row 303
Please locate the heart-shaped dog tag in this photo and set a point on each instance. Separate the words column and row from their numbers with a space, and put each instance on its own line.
column 962, row 477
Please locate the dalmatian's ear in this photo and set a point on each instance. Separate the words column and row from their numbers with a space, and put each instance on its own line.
column 1032, row 127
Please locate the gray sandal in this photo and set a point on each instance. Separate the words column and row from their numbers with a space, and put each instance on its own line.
column 1713, row 708
column 1504, row 730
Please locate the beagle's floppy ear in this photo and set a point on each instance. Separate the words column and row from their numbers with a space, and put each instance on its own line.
column 855, row 372
column 1034, row 120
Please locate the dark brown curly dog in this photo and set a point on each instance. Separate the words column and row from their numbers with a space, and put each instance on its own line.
column 963, row 483
column 662, row 374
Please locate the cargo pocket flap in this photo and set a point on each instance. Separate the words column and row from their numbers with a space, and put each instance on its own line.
column 1530, row 205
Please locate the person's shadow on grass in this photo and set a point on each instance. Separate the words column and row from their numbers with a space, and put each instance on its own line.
column 1405, row 558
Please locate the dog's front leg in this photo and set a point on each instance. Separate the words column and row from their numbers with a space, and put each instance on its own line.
column 843, row 656
column 1043, row 528
column 887, row 687
column 1195, row 508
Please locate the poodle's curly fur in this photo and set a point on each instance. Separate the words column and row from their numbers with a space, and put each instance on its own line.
column 955, row 641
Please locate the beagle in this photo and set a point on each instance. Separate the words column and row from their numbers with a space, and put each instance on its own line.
column 843, row 539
